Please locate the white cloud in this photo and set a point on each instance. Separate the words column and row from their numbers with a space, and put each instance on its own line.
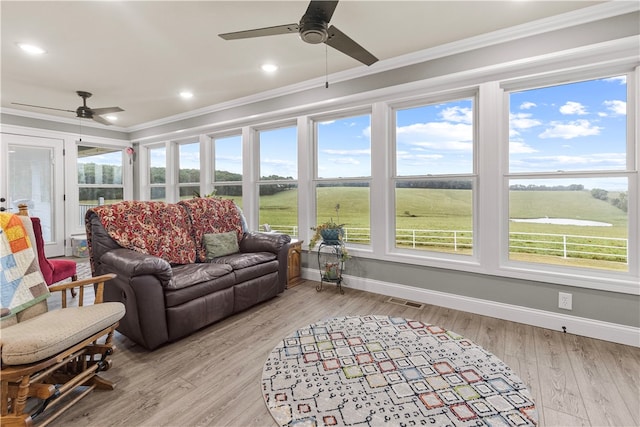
column 413, row 156
column 434, row 131
column 517, row 147
column 457, row 115
column 527, row 105
column 570, row 130
column 618, row 79
column 572, row 107
column 616, row 107
column 347, row 152
column 593, row 161
column 345, row 161
column 444, row 145
column 523, row 121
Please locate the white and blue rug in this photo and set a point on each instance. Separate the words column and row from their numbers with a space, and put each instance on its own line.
column 375, row 370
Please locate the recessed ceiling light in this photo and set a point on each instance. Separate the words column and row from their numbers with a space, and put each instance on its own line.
column 269, row 68
column 186, row 94
column 31, row 49
column 111, row 118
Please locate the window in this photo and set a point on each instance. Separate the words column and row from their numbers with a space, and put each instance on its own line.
column 158, row 173
column 343, row 162
column 99, row 177
column 569, row 175
column 189, row 169
column 278, row 183
column 434, row 178
column 227, row 166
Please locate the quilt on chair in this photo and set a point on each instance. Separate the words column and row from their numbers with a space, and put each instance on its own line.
column 21, row 282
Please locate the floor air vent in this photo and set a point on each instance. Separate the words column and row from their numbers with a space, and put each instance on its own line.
column 406, row 303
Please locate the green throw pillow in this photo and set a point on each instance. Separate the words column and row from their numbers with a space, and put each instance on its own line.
column 220, row 244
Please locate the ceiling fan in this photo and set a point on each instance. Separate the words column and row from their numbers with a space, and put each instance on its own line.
column 313, row 28
column 83, row 111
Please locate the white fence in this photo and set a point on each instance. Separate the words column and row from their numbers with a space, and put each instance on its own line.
column 561, row 245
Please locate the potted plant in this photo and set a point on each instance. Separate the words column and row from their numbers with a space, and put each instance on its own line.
column 330, row 232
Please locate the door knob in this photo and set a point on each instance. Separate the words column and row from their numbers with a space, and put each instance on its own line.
column 2, row 209
column 2, row 199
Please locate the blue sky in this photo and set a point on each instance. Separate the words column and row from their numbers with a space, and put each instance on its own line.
column 578, row 126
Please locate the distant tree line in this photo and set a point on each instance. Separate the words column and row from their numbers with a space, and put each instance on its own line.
column 621, row 201
column 533, row 187
column 92, row 173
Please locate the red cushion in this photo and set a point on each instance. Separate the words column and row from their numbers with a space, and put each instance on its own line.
column 62, row 269
column 52, row 270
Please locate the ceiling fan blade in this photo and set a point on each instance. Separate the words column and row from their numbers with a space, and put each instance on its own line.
column 106, row 110
column 101, row 119
column 40, row 106
column 321, row 9
column 260, row 32
column 340, row 41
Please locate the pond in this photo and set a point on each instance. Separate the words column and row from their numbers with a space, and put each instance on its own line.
column 564, row 221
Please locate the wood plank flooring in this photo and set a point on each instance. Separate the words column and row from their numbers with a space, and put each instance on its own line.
column 212, row 378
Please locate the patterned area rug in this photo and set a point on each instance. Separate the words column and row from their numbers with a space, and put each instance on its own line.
column 83, row 270
column 375, row 370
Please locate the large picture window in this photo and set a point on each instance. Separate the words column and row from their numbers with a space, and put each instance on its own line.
column 434, row 181
column 343, row 175
column 227, row 166
column 568, row 182
column 278, row 182
column 189, row 169
column 99, row 177
column 158, row 173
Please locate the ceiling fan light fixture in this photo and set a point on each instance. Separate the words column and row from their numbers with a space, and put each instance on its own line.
column 31, row 49
column 313, row 32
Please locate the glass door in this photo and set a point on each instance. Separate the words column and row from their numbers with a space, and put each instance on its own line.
column 33, row 174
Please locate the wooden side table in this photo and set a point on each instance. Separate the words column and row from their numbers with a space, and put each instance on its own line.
column 293, row 273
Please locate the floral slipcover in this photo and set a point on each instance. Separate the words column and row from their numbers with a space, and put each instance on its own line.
column 211, row 215
column 155, row 228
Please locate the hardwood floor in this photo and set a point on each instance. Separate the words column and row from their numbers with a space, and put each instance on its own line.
column 212, row 378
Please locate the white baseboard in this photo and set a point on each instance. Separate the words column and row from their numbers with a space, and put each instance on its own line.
column 613, row 332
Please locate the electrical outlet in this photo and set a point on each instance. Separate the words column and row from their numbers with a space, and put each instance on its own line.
column 565, row 300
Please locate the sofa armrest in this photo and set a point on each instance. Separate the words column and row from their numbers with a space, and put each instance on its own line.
column 130, row 264
column 263, row 242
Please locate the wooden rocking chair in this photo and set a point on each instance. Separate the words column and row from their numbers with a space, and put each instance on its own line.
column 54, row 357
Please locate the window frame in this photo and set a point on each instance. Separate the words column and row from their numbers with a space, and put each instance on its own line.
column 472, row 93
column 256, row 131
column 583, row 277
column 316, row 181
column 125, row 171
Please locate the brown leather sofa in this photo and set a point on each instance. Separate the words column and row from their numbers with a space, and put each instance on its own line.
column 169, row 286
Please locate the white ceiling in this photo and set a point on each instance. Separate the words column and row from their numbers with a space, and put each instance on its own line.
column 140, row 54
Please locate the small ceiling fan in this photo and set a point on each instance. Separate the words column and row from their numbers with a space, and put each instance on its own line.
column 313, row 28
column 83, row 111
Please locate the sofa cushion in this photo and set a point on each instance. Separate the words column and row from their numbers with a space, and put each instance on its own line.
column 192, row 274
column 211, row 215
column 220, row 244
column 155, row 228
column 245, row 260
column 54, row 331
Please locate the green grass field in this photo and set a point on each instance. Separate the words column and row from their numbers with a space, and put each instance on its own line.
column 443, row 209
